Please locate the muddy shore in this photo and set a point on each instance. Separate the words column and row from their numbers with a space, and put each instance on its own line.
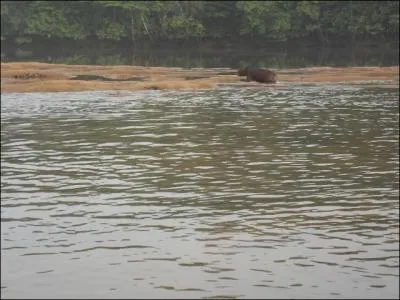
column 42, row 77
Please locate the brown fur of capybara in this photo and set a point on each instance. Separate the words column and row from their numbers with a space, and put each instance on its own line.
column 259, row 75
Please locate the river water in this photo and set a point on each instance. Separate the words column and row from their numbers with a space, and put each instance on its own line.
column 232, row 193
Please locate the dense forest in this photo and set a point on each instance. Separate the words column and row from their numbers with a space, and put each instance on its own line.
column 171, row 20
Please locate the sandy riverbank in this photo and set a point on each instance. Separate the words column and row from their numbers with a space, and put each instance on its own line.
column 42, row 77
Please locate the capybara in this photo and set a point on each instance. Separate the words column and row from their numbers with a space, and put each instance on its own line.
column 259, row 75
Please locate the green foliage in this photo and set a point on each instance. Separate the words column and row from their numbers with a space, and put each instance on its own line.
column 141, row 20
column 13, row 17
column 182, row 27
column 57, row 20
column 111, row 30
column 269, row 18
column 307, row 14
column 221, row 19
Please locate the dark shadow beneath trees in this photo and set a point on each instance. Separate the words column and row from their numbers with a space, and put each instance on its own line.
column 207, row 54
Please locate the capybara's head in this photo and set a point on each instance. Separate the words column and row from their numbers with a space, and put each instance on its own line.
column 243, row 72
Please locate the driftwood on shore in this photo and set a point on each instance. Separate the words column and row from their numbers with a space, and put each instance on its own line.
column 42, row 77
column 102, row 78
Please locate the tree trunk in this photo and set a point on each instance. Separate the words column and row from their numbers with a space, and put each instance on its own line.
column 322, row 38
column 145, row 26
column 351, row 23
column 132, row 31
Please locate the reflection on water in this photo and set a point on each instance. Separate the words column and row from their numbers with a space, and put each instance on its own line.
column 229, row 193
column 198, row 54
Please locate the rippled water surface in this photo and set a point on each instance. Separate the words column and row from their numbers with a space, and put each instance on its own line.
column 247, row 193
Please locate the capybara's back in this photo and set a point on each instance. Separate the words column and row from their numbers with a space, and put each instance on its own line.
column 259, row 75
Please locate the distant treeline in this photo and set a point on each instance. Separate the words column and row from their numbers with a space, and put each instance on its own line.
column 171, row 20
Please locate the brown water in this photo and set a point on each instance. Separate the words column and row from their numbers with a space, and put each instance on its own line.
column 235, row 192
